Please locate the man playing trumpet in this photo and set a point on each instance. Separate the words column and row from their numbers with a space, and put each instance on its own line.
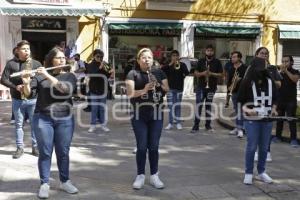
column 235, row 75
column 20, row 104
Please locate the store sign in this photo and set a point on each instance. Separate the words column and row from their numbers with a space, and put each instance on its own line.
column 44, row 24
column 50, row 2
column 149, row 32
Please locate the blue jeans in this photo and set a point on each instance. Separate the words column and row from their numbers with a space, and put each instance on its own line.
column 51, row 133
column 174, row 98
column 238, row 111
column 20, row 107
column 98, row 109
column 258, row 134
column 147, row 132
column 204, row 95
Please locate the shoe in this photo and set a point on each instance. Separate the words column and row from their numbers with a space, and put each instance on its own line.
column 139, row 182
column 156, row 182
column 92, row 129
column 87, row 109
column 44, row 191
column 294, row 143
column 265, row 178
column 210, row 129
column 195, row 129
column 134, row 150
column 27, row 121
column 275, row 140
column 68, row 187
column 35, row 151
column 169, row 126
column 179, row 126
column 240, row 134
column 248, row 179
column 233, row 132
column 269, row 157
column 18, row 153
column 104, row 128
column 12, row 122
column 256, row 156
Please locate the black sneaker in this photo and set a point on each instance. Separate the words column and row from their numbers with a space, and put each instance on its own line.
column 195, row 129
column 35, row 151
column 87, row 109
column 18, row 153
column 209, row 129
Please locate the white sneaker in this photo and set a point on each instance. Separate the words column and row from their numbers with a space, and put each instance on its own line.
column 92, row 129
column 240, row 134
column 248, row 179
column 269, row 157
column 68, row 187
column 265, row 178
column 179, row 126
column 104, row 128
column 44, row 191
column 139, row 182
column 256, row 156
column 233, row 132
column 134, row 150
column 12, row 122
column 168, row 127
column 156, row 182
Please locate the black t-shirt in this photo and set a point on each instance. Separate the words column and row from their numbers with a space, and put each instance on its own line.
column 215, row 66
column 140, row 79
column 241, row 72
column 51, row 101
column 98, row 83
column 288, row 89
column 176, row 76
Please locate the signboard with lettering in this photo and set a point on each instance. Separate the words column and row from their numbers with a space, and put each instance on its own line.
column 43, row 23
column 149, row 32
column 50, row 2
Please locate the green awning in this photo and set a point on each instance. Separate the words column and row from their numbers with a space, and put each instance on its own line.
column 150, row 29
column 289, row 31
column 227, row 31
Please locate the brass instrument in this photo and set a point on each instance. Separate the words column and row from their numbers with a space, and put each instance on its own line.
column 232, row 86
column 152, row 79
column 106, row 66
column 177, row 65
column 207, row 76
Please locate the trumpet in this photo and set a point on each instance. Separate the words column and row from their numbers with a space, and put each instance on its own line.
column 232, row 86
column 177, row 65
column 207, row 76
column 106, row 66
column 16, row 74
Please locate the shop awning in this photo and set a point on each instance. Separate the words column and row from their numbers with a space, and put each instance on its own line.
column 152, row 29
column 227, row 30
column 7, row 8
column 289, row 31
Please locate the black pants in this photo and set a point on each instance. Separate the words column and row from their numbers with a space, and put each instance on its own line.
column 288, row 109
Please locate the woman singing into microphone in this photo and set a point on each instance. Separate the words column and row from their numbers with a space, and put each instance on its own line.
column 145, row 88
column 53, row 120
column 257, row 96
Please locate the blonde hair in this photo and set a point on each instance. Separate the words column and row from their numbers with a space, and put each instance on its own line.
column 143, row 50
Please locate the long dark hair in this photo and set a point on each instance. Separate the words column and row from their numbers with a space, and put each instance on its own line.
column 50, row 56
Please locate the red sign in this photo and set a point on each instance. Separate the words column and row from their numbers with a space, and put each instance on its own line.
column 49, row 2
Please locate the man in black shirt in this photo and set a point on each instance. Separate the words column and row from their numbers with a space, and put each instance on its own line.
column 235, row 75
column 287, row 101
column 176, row 72
column 20, row 104
column 98, row 74
column 207, row 72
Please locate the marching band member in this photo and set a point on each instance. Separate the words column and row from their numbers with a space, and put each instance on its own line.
column 287, row 102
column 145, row 88
column 176, row 72
column 53, row 120
column 235, row 75
column 206, row 74
column 257, row 95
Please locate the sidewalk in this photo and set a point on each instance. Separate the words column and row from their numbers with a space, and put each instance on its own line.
column 202, row 166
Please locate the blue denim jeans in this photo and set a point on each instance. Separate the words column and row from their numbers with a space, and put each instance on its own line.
column 98, row 109
column 203, row 95
column 238, row 111
column 147, row 130
column 51, row 133
column 174, row 98
column 258, row 135
column 20, row 107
